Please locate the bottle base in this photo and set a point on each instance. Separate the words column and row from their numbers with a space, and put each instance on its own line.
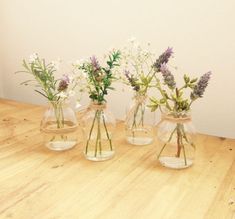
column 139, row 140
column 60, row 145
column 97, row 156
column 175, row 162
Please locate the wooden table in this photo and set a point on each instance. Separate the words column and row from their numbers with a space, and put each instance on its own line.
column 38, row 183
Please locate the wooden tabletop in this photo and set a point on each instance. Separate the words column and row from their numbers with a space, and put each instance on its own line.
column 38, row 183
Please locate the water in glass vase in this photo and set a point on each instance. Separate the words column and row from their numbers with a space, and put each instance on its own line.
column 139, row 122
column 59, row 139
column 98, row 128
column 59, row 126
column 139, row 135
column 177, row 161
column 176, row 135
column 99, row 152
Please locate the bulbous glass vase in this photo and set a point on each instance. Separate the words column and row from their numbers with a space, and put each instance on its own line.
column 98, row 128
column 59, row 126
column 176, row 135
column 139, row 122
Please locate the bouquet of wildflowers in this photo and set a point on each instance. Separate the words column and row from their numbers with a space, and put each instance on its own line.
column 54, row 90
column 139, row 73
column 139, row 67
column 177, row 102
column 98, row 78
column 99, row 81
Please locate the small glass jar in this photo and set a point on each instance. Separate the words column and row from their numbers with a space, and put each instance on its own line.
column 59, row 126
column 139, row 122
column 176, row 135
column 98, row 128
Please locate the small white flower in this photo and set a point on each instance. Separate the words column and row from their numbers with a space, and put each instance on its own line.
column 79, row 62
column 62, row 95
column 55, row 64
column 84, row 75
column 71, row 78
column 71, row 93
column 33, row 58
column 132, row 40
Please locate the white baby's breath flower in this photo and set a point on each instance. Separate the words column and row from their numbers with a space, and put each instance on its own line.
column 132, row 40
column 79, row 62
column 71, row 93
column 55, row 64
column 84, row 75
column 33, row 57
column 71, row 78
column 62, row 95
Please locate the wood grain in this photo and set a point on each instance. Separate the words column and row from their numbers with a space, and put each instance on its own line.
column 38, row 183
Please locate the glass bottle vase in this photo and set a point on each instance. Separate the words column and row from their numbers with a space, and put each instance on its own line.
column 139, row 122
column 59, row 126
column 176, row 135
column 98, row 128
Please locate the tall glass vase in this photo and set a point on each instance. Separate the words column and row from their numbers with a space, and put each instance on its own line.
column 98, row 128
column 176, row 135
column 139, row 122
column 59, row 126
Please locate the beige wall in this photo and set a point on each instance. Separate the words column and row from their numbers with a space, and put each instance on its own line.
column 201, row 32
column 1, row 41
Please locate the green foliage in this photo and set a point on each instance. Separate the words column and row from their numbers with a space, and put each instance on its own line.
column 100, row 78
column 173, row 99
column 43, row 76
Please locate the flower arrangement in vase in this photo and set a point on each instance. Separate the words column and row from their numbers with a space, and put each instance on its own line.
column 98, row 121
column 59, row 123
column 176, row 132
column 139, row 72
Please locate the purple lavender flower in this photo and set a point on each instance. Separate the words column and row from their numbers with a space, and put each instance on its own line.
column 132, row 81
column 167, row 76
column 64, row 83
column 163, row 59
column 95, row 63
column 200, row 87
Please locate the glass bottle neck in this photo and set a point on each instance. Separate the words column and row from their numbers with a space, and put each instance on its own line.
column 97, row 106
column 140, row 98
column 177, row 117
column 59, row 103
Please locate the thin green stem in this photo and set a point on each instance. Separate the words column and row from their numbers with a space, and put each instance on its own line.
column 142, row 115
column 134, row 120
column 182, row 144
column 96, row 145
column 92, row 126
column 99, row 133
column 168, row 141
column 107, row 134
column 162, row 93
column 178, row 140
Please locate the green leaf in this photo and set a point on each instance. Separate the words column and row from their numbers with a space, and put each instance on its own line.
column 193, row 80
column 186, row 79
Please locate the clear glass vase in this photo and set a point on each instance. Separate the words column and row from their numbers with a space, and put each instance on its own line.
column 59, row 126
column 176, row 135
column 98, row 128
column 139, row 122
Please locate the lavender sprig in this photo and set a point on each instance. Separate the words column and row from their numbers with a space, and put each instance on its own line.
column 167, row 76
column 64, row 83
column 200, row 87
column 95, row 63
column 132, row 80
column 163, row 59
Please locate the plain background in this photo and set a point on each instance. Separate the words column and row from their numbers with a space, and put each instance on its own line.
column 201, row 32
